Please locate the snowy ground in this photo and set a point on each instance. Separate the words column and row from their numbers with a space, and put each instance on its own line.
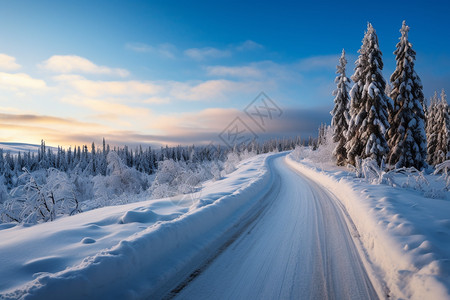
column 300, row 247
column 265, row 230
column 128, row 251
column 405, row 232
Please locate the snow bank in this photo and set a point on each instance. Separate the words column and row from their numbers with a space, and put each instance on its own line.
column 130, row 251
column 406, row 236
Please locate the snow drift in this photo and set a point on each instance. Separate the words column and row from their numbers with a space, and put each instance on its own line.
column 134, row 250
column 404, row 233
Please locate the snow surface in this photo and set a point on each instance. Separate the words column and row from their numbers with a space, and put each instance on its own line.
column 144, row 249
column 130, row 251
column 406, row 235
column 300, row 247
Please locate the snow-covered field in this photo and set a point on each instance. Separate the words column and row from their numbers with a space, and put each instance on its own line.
column 131, row 250
column 405, row 232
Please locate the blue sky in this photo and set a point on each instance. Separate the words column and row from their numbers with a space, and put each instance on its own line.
column 156, row 72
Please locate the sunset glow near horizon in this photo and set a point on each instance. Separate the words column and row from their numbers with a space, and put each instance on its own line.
column 178, row 72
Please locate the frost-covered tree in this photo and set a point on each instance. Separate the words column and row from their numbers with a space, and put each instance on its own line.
column 369, row 104
column 8, row 174
column 3, row 191
column 441, row 128
column 431, row 134
column 406, row 136
column 34, row 201
column 340, row 119
column 119, row 179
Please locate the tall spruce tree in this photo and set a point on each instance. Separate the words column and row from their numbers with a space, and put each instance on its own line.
column 369, row 104
column 442, row 129
column 340, row 119
column 406, row 136
column 431, row 134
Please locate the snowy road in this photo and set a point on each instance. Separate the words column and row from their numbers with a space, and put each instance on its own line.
column 300, row 247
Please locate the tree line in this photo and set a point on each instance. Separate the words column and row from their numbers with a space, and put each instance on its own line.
column 92, row 161
column 39, row 187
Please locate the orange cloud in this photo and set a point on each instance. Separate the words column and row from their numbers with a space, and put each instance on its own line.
column 31, row 128
column 107, row 106
column 200, row 127
column 39, row 119
column 208, row 120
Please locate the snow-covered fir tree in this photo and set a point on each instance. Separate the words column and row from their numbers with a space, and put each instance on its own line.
column 431, row 112
column 406, row 136
column 369, row 104
column 339, row 121
column 441, row 128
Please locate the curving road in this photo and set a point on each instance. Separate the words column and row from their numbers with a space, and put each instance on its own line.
column 299, row 248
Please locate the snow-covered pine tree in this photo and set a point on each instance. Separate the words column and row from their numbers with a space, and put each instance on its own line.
column 442, row 129
column 444, row 100
column 431, row 135
column 406, row 136
column 369, row 104
column 340, row 119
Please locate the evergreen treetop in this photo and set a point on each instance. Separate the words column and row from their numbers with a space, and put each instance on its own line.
column 406, row 136
column 369, row 104
column 340, row 113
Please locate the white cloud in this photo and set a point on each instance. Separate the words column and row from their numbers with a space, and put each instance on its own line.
column 262, row 70
column 8, row 63
column 319, row 62
column 157, row 100
column 166, row 50
column 16, row 82
column 73, row 64
column 212, row 90
column 243, row 71
column 10, row 109
column 249, row 45
column 139, row 47
column 205, row 53
column 157, row 92
column 92, row 88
